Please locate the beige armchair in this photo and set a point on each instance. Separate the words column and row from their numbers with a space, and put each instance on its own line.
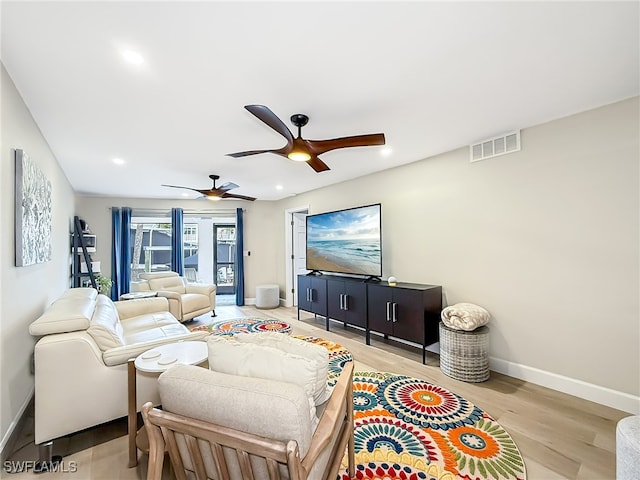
column 186, row 300
column 216, row 425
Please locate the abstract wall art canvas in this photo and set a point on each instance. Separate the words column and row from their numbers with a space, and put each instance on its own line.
column 33, row 213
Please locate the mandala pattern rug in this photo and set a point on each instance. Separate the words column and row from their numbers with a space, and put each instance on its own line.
column 244, row 325
column 410, row 429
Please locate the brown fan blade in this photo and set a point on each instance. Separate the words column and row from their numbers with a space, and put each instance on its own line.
column 267, row 116
column 321, row 146
column 250, row 152
column 241, row 197
column 317, row 164
column 186, row 188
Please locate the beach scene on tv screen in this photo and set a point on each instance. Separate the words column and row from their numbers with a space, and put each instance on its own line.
column 345, row 242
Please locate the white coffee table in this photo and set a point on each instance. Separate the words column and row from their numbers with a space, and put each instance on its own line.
column 156, row 360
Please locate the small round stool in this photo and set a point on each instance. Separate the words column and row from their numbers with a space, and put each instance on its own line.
column 267, row 296
column 465, row 355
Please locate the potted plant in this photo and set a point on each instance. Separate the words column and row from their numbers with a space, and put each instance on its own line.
column 104, row 284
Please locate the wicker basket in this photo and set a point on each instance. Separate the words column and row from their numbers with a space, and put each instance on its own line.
column 465, row 355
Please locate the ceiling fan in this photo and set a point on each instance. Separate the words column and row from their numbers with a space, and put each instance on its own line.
column 300, row 149
column 217, row 193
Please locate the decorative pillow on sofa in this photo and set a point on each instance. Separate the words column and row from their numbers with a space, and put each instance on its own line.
column 226, row 355
column 316, row 353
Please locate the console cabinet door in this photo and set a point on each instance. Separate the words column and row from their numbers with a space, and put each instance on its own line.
column 312, row 294
column 319, row 296
column 304, row 300
column 347, row 301
column 355, row 303
column 335, row 295
column 379, row 302
column 408, row 315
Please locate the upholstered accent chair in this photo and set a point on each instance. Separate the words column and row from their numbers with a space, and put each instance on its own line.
column 186, row 300
column 221, row 426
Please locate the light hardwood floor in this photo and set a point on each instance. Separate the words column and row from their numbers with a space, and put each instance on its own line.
column 559, row 436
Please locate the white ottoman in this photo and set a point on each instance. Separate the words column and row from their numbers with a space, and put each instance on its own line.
column 267, row 296
column 628, row 448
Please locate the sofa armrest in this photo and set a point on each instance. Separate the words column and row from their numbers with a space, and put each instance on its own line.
column 140, row 306
column 202, row 289
column 175, row 302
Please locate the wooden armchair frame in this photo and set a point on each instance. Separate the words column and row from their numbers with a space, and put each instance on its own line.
column 162, row 428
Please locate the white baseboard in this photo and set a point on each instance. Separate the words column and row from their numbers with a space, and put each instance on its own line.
column 252, row 301
column 595, row 393
column 15, row 422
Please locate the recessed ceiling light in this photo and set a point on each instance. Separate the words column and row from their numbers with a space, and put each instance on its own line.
column 279, row 187
column 385, row 152
column 133, row 57
column 118, row 161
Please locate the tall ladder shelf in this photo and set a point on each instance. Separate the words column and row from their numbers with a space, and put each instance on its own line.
column 80, row 252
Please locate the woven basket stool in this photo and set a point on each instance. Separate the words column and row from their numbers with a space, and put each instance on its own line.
column 465, row 355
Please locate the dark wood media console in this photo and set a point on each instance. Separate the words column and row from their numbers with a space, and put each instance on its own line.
column 408, row 311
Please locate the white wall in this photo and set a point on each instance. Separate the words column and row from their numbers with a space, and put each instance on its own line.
column 26, row 291
column 546, row 239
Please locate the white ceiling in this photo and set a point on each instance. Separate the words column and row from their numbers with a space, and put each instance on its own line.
column 431, row 76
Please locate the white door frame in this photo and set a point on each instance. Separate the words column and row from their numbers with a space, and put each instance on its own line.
column 288, row 239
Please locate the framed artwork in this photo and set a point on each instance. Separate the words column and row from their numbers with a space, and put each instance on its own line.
column 33, row 213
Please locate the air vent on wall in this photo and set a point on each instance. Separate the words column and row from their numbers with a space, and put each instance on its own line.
column 496, row 146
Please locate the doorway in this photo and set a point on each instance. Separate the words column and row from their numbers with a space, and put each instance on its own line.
column 224, row 258
column 296, row 251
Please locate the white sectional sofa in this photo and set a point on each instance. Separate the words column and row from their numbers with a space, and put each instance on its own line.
column 81, row 358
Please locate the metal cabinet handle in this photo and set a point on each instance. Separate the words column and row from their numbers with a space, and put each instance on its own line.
column 388, row 311
column 395, row 312
column 346, row 300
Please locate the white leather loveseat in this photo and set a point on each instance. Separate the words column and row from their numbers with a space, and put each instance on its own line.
column 186, row 300
column 81, row 359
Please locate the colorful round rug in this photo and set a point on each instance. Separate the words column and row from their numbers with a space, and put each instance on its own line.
column 410, row 429
column 244, row 325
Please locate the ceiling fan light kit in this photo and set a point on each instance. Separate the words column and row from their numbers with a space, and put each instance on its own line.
column 300, row 149
column 299, row 156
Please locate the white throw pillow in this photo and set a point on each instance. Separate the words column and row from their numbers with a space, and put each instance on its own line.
column 316, row 353
column 226, row 355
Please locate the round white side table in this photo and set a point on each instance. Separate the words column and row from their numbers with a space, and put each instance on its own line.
column 156, row 360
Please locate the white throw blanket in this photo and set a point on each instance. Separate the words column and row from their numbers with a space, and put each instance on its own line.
column 465, row 316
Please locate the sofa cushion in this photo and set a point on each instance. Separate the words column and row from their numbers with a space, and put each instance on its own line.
column 143, row 322
column 226, row 355
column 105, row 327
column 71, row 312
column 316, row 353
column 164, row 281
column 143, row 341
column 272, row 409
column 170, row 284
column 168, row 330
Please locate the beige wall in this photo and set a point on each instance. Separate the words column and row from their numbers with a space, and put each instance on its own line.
column 26, row 291
column 259, row 220
column 546, row 239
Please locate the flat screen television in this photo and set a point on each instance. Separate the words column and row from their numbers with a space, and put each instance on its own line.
column 346, row 241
